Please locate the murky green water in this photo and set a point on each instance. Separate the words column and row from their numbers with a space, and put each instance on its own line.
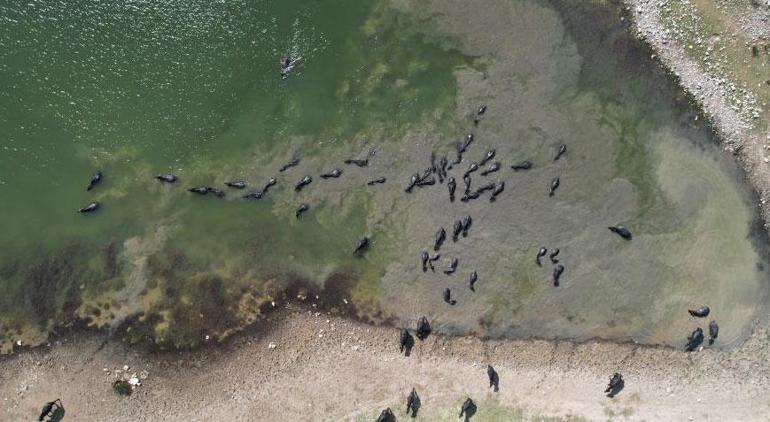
column 141, row 88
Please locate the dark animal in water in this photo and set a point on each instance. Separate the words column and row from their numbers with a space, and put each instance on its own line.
column 442, row 169
column 451, row 185
column 253, row 195
column 386, row 416
column 293, row 162
column 168, row 178
column 403, row 340
column 49, row 408
column 560, row 152
column 472, row 280
column 448, row 297
column 332, row 174
column 484, row 188
column 467, row 181
column 494, row 378
column 701, row 312
column 470, row 196
column 694, row 340
column 488, row 156
column 93, row 206
column 270, row 183
column 359, row 163
column 302, row 183
column 713, row 332
column 491, row 168
column 458, row 159
column 456, row 230
column 287, row 65
column 439, row 239
column 553, row 255
column 615, row 384
column 471, row 168
column 237, row 184
column 621, row 231
column 95, row 179
column 465, row 144
column 557, row 271
column 479, row 113
column 361, row 246
column 378, row 181
column 482, row 110
column 468, row 409
column 433, row 259
column 499, row 188
column 554, row 186
column 452, row 267
column 524, row 165
column 217, row 192
column 423, row 328
column 302, row 208
column 413, row 403
column 426, row 181
column 467, row 222
column 412, row 182
column 424, row 259
column 540, row 253
column 200, row 190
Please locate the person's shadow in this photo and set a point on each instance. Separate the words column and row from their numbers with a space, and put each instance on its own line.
column 617, row 389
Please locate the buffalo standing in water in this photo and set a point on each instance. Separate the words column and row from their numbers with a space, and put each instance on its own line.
column 448, row 297
column 423, row 328
column 616, row 384
column 236, row 184
column 488, row 156
column 356, row 162
column 332, row 174
column 452, row 267
column 694, row 340
column 439, row 240
column 93, row 206
column 361, row 246
column 413, row 403
column 540, row 253
column 494, row 378
column 560, row 152
column 479, row 113
column 553, row 255
column 95, row 179
column 557, row 272
column 524, row 165
column 301, row 209
column 293, row 162
column 168, row 178
column 621, row 231
column 554, row 186
column 499, row 187
column 302, row 183
column 472, row 280
column 713, row 332
column 377, row 181
column 467, row 222
column 424, row 259
column 456, row 230
column 386, row 416
column 701, row 312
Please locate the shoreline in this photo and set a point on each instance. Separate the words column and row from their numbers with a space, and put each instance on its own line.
column 315, row 366
column 208, row 383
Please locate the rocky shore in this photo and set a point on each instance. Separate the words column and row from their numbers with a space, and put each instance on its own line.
column 719, row 53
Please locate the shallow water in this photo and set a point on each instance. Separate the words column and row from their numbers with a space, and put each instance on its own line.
column 138, row 89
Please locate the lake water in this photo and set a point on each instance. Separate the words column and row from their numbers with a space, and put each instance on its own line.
column 137, row 89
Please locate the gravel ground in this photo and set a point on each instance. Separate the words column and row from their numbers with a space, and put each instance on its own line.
column 327, row 368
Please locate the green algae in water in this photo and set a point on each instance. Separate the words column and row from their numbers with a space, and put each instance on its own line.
column 191, row 88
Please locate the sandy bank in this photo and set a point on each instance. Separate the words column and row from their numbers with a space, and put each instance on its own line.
column 327, row 368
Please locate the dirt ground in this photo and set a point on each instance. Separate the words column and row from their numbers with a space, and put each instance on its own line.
column 327, row 368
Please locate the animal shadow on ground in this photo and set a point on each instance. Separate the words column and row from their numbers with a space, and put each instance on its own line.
column 617, row 389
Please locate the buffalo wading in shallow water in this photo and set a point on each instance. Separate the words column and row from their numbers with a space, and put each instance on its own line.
column 452, row 267
column 472, row 280
column 448, row 297
column 303, row 207
column 524, row 165
column 694, row 340
column 335, row 173
column 621, row 231
column 95, row 180
column 701, row 312
column 554, row 185
column 93, row 206
column 557, row 272
column 236, row 184
column 302, row 183
column 439, row 239
column 168, row 178
column 293, row 162
column 713, row 332
column 562, row 149
column 540, row 253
